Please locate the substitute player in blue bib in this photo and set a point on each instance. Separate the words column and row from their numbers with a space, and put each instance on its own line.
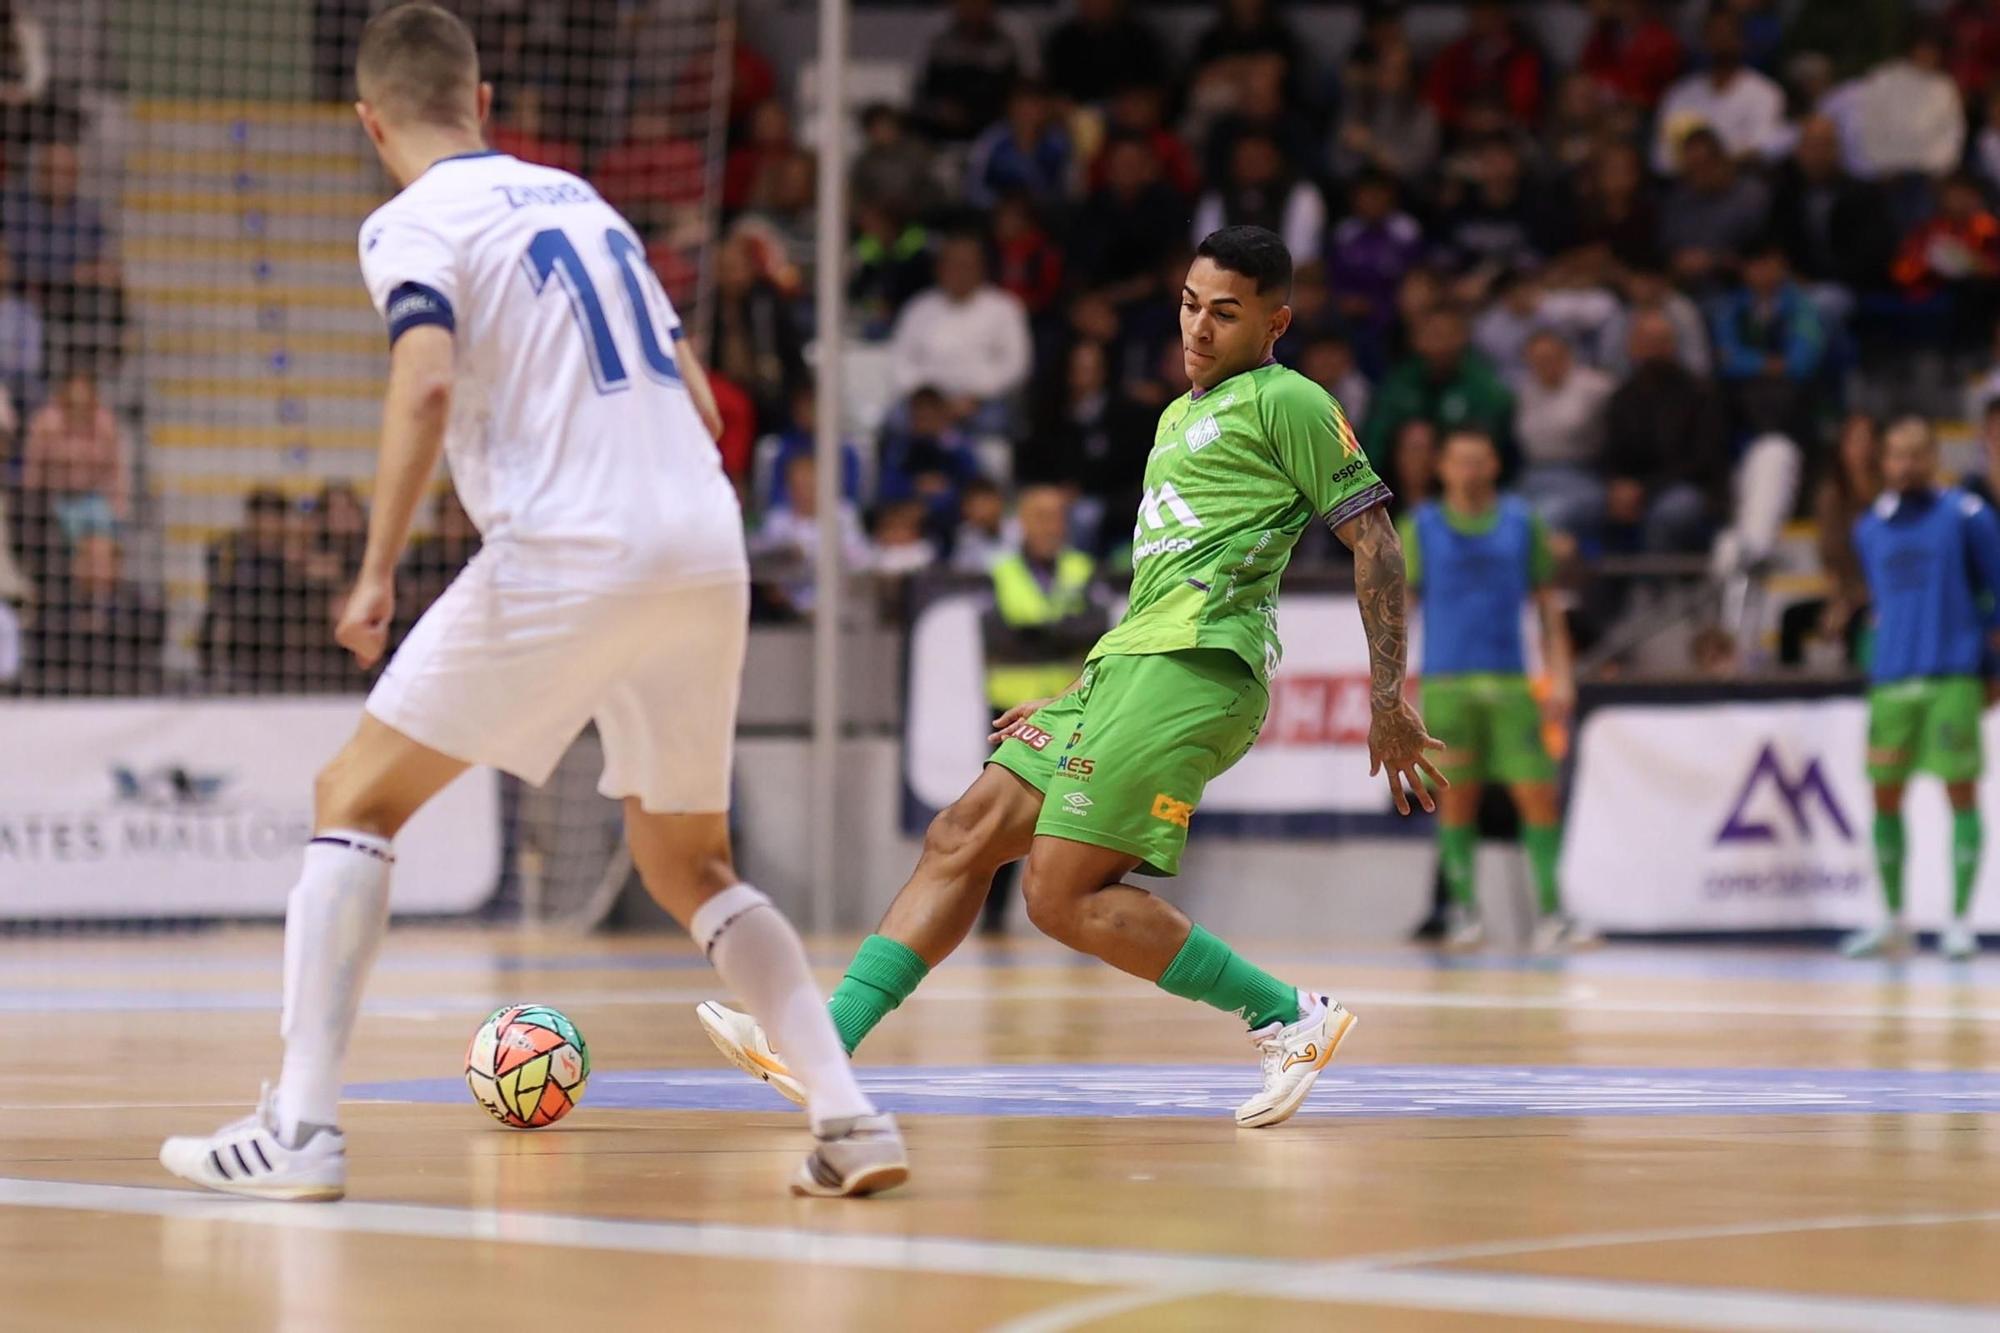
column 1476, row 557
column 1931, row 556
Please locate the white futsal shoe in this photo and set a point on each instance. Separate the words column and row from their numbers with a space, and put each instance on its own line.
column 1958, row 941
column 1464, row 929
column 251, row 1158
column 743, row 1043
column 1294, row 1054
column 861, row 1154
column 1557, row 933
column 1891, row 939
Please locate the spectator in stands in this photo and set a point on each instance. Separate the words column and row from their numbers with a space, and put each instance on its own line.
column 748, row 176
column 756, row 343
column 1648, row 289
column 966, row 338
column 1494, row 59
column 257, row 595
column 1261, row 190
column 1445, row 383
column 1313, row 312
column 1100, row 50
column 739, row 428
column 339, row 534
column 76, row 463
column 1770, row 347
column 1245, row 31
column 520, row 132
column 1985, row 483
column 782, row 223
column 1986, row 147
column 1666, row 453
column 1139, row 110
column 96, row 633
column 1632, row 53
column 967, row 71
column 789, row 539
column 889, row 264
column 336, row 39
column 1261, row 106
column 1499, row 223
column 22, row 340
column 1972, row 37
column 1028, row 266
column 1328, row 361
column 1985, row 383
column 1949, row 267
column 657, row 174
column 1089, row 434
column 1744, row 109
column 894, row 171
column 1614, row 212
column 1713, row 212
column 897, row 544
column 984, row 532
column 1836, row 229
column 61, row 254
column 1559, row 417
column 1843, row 496
column 1413, row 463
column 24, row 74
column 803, row 438
column 1028, row 149
column 1385, row 125
column 923, row 456
column 1371, row 250
column 1581, row 121
column 1127, row 227
column 1908, row 117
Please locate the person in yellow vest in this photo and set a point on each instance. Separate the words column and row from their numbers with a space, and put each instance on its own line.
column 1048, row 609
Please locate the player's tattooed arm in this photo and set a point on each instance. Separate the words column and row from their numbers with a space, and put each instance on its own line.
column 1397, row 740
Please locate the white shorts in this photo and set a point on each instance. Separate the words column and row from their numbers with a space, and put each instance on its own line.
column 507, row 675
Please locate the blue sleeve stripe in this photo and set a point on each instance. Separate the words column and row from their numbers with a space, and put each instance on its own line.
column 413, row 304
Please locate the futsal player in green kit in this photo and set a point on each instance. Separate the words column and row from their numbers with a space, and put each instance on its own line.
column 1476, row 557
column 1104, row 780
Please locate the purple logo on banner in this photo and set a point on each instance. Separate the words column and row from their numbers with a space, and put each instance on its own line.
column 1768, row 771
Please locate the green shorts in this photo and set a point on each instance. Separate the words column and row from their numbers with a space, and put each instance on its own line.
column 1928, row 726
column 1122, row 760
column 1491, row 728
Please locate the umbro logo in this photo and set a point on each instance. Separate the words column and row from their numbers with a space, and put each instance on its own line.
column 1077, row 802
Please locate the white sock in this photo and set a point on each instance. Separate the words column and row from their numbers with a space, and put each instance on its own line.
column 760, row 958
column 334, row 922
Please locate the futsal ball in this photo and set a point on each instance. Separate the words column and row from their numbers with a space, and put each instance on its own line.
column 527, row 1065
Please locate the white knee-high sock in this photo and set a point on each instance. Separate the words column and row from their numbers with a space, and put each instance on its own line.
column 761, row 959
column 334, row 922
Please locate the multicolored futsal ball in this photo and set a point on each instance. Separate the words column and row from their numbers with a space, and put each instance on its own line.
column 527, row 1065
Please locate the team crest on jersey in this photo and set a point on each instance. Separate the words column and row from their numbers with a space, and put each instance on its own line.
column 1202, row 434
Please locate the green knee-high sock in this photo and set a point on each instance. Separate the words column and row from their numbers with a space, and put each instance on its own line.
column 882, row 975
column 1544, row 844
column 1208, row 970
column 1967, row 832
column 1889, row 859
column 1456, row 845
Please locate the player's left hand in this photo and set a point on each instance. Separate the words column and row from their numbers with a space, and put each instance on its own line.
column 1559, row 705
column 1399, row 745
column 363, row 628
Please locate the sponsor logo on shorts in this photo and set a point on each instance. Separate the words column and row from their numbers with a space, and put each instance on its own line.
column 1172, row 811
column 1076, row 768
column 1033, row 737
column 1078, row 802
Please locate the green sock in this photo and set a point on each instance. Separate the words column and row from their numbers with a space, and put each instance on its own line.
column 1456, row 845
column 1966, row 835
column 1208, row 970
column 1544, row 844
column 881, row 977
column 1889, row 859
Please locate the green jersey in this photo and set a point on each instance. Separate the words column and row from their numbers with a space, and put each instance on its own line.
column 1235, row 475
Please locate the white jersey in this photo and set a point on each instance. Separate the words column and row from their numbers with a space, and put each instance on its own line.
column 573, row 441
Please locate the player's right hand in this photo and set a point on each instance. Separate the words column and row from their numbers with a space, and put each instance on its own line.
column 363, row 628
column 1013, row 717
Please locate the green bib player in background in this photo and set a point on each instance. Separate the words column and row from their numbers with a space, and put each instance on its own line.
column 1476, row 557
column 1105, row 779
column 1931, row 556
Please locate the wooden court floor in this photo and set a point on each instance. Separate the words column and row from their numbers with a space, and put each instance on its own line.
column 1644, row 1137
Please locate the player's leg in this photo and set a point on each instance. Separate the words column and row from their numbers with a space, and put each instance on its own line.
column 1953, row 751
column 1516, row 755
column 335, row 917
column 1455, row 715
column 1896, row 716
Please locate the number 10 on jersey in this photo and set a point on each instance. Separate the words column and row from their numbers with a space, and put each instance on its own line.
column 551, row 253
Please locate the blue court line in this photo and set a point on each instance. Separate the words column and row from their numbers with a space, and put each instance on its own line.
column 1392, row 1091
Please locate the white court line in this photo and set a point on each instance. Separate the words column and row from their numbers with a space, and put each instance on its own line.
column 1163, row 1274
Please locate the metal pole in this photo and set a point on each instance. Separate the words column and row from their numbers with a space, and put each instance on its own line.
column 830, row 316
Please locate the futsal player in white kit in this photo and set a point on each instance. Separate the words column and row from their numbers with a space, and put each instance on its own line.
column 530, row 341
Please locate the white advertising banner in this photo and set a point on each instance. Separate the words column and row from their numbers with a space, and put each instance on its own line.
column 1312, row 758
column 174, row 808
column 1749, row 816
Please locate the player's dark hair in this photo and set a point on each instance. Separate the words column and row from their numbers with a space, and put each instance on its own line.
column 1258, row 253
column 419, row 62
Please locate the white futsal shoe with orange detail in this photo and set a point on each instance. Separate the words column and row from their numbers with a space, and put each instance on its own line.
column 1294, row 1054
column 743, row 1043
column 250, row 1157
